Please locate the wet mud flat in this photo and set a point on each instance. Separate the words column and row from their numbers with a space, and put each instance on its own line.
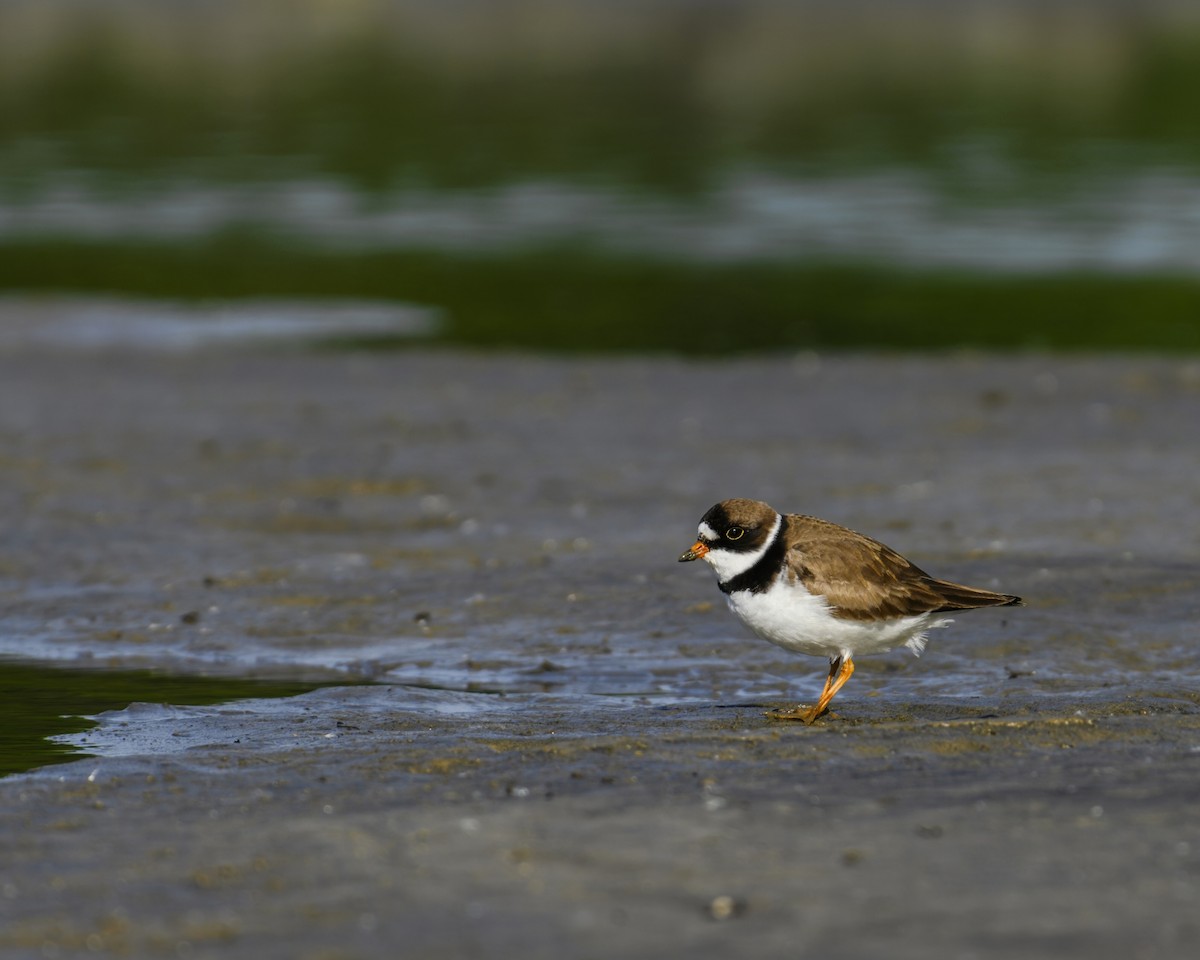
column 550, row 827
column 562, row 747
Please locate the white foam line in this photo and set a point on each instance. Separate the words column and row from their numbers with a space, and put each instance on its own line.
column 1148, row 220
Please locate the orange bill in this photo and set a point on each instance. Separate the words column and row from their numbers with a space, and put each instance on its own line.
column 695, row 552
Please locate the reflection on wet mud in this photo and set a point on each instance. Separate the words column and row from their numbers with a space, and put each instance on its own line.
column 38, row 702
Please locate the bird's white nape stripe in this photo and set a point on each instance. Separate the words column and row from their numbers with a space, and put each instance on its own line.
column 707, row 533
column 729, row 563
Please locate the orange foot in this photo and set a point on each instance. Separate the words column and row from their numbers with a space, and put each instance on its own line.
column 840, row 670
column 804, row 714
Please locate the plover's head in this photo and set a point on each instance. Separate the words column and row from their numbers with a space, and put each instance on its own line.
column 733, row 535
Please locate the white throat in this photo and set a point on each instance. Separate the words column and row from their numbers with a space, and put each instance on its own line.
column 729, row 563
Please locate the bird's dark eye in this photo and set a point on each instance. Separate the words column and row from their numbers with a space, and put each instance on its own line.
column 734, row 533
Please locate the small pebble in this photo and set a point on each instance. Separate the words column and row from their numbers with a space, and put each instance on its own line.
column 725, row 907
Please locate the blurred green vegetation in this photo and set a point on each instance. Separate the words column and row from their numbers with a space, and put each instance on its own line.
column 39, row 701
column 661, row 95
column 994, row 102
column 575, row 300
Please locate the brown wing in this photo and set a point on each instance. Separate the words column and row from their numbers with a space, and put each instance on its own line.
column 864, row 579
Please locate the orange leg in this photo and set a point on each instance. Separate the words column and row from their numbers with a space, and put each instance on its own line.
column 834, row 666
column 841, row 669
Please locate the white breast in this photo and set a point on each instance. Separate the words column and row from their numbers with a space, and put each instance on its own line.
column 788, row 615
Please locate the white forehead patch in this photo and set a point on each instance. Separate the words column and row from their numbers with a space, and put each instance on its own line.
column 706, row 532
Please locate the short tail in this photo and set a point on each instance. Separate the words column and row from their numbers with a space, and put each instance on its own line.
column 956, row 596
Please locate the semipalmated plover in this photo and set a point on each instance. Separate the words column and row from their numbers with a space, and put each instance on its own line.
column 815, row 587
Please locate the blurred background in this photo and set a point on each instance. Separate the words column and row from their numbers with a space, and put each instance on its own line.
column 695, row 176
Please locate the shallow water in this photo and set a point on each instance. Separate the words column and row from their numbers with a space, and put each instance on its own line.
column 45, row 710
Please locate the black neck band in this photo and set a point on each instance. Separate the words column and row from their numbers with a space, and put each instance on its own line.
column 760, row 576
